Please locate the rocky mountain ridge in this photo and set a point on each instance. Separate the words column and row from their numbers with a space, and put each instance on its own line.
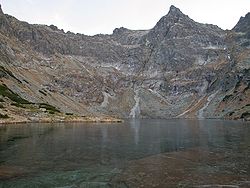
column 177, row 69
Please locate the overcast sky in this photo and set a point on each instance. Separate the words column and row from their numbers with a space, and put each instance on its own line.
column 103, row 16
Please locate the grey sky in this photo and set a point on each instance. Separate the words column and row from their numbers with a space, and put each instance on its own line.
column 102, row 16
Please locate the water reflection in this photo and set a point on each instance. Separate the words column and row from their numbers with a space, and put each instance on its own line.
column 86, row 150
column 135, row 125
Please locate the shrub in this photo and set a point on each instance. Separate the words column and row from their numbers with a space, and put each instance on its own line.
column 51, row 109
column 6, row 92
column 17, row 105
column 4, row 116
column 245, row 115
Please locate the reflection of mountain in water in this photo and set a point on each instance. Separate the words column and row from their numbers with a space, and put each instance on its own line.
column 74, row 154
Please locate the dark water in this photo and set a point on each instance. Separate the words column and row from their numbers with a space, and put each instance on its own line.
column 91, row 155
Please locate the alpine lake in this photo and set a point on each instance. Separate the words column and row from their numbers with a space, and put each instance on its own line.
column 136, row 153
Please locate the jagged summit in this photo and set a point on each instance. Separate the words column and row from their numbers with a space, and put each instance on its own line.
column 120, row 30
column 170, row 19
column 174, row 15
column 4, row 24
column 178, row 25
column 174, row 10
column 179, row 68
column 243, row 24
column 1, row 11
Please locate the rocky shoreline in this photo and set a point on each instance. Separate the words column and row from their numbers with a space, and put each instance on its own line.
column 74, row 119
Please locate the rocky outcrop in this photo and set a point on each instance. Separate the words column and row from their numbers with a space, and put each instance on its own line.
column 179, row 68
column 242, row 30
column 4, row 24
column 243, row 24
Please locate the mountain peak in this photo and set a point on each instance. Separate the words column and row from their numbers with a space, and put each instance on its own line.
column 119, row 30
column 1, row 12
column 243, row 24
column 4, row 24
column 171, row 18
column 174, row 10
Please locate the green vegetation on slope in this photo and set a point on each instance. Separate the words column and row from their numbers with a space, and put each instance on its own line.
column 17, row 105
column 3, row 116
column 48, row 107
column 20, row 102
column 6, row 92
column 4, row 71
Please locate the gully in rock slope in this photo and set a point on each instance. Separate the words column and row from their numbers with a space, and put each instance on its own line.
column 173, row 59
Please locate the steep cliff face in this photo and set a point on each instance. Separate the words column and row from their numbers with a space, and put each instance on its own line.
column 243, row 24
column 179, row 68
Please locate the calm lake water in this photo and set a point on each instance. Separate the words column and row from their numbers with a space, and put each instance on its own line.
column 121, row 155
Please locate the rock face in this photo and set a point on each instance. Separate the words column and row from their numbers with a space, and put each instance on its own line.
column 179, row 68
column 243, row 30
column 243, row 24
